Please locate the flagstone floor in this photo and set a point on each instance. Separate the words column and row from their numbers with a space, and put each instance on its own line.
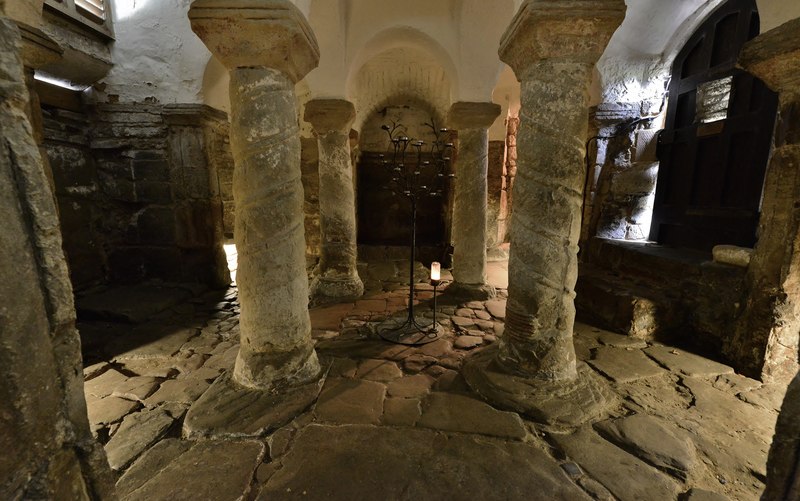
column 398, row 422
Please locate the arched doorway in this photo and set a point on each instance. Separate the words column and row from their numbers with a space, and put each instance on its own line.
column 714, row 149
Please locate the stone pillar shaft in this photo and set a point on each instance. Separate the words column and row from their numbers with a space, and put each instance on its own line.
column 554, row 63
column 338, row 274
column 543, row 265
column 272, row 280
column 765, row 342
column 472, row 120
column 469, row 207
column 767, row 330
column 267, row 47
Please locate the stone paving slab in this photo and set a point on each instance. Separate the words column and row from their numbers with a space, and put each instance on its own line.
column 654, row 441
column 401, row 411
column 183, row 391
column 768, row 396
column 411, row 386
column 109, row 409
column 451, row 412
column 227, row 409
column 137, row 432
column 137, row 387
column 104, row 384
column 378, row 370
column 351, row 401
column 372, row 463
column 679, row 361
column 174, row 470
column 628, row 478
column 329, row 318
column 624, row 366
column 704, row 495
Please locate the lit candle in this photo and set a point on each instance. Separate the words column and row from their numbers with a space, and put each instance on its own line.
column 436, row 271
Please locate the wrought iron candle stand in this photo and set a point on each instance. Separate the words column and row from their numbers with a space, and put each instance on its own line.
column 409, row 170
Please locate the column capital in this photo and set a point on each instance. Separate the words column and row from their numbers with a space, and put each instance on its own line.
column 569, row 30
column 38, row 49
column 246, row 33
column 469, row 115
column 774, row 57
column 327, row 115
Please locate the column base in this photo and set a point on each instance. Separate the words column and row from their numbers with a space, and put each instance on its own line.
column 560, row 404
column 228, row 409
column 328, row 289
column 469, row 292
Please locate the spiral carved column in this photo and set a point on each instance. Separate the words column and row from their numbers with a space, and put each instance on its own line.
column 552, row 46
column 267, row 47
column 472, row 120
column 338, row 275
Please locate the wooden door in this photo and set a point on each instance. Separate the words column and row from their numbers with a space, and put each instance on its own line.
column 713, row 157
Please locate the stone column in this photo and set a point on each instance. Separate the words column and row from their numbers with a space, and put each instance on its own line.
column 765, row 342
column 338, row 276
column 766, row 337
column 552, row 46
column 267, row 47
column 48, row 449
column 472, row 120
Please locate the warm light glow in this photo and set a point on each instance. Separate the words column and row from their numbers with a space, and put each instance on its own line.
column 436, row 271
column 233, row 260
column 58, row 82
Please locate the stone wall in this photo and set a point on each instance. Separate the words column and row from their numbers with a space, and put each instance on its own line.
column 157, row 177
column 621, row 196
column 81, row 205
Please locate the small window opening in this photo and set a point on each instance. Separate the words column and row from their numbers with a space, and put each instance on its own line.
column 96, row 8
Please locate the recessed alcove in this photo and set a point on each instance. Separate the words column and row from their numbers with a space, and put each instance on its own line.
column 383, row 213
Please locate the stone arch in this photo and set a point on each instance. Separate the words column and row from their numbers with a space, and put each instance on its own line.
column 401, row 61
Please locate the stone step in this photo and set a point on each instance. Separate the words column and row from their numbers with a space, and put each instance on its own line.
column 645, row 259
column 640, row 309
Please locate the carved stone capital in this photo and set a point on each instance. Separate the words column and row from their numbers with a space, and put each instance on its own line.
column 252, row 33
column 466, row 115
column 774, row 57
column 327, row 115
column 567, row 30
column 38, row 49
